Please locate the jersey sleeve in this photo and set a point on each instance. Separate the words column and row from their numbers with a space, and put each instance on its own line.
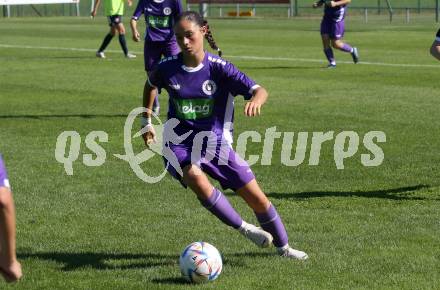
column 178, row 10
column 237, row 82
column 139, row 10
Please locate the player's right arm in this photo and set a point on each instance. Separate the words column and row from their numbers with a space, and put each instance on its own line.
column 134, row 19
column 135, row 33
column 148, row 99
column 95, row 8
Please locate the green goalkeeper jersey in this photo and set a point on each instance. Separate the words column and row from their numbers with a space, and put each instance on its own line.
column 113, row 7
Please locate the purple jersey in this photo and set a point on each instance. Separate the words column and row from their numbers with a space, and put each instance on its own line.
column 3, row 174
column 336, row 14
column 202, row 98
column 160, row 16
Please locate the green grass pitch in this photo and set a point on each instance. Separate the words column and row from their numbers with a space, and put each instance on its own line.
column 103, row 228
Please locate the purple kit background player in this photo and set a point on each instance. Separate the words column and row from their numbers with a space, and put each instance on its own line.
column 435, row 47
column 333, row 28
column 202, row 88
column 10, row 268
column 160, row 16
column 113, row 9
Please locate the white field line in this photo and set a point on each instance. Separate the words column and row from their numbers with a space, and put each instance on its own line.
column 245, row 57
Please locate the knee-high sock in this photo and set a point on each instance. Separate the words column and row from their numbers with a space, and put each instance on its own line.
column 219, row 205
column 123, row 43
column 329, row 54
column 346, row 48
column 105, row 42
column 271, row 222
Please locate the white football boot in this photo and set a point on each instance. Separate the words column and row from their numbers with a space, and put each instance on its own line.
column 291, row 253
column 257, row 235
column 100, row 54
column 130, row 55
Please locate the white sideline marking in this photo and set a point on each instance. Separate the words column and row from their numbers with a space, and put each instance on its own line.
column 232, row 56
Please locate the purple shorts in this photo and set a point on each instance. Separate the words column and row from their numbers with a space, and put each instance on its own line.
column 4, row 182
column 228, row 168
column 154, row 50
column 334, row 29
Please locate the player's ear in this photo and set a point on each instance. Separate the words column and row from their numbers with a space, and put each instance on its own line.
column 204, row 29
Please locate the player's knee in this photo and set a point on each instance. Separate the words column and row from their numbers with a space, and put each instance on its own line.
column 435, row 51
column 120, row 28
column 336, row 44
column 5, row 197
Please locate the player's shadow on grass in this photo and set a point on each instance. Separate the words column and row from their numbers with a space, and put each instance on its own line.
column 399, row 193
column 85, row 116
column 103, row 261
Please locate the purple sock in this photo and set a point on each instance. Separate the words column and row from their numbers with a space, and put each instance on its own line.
column 271, row 222
column 346, row 48
column 329, row 54
column 219, row 205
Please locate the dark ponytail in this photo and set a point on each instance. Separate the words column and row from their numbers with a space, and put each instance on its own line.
column 210, row 38
column 196, row 18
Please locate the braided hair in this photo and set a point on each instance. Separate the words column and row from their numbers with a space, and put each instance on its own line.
column 198, row 19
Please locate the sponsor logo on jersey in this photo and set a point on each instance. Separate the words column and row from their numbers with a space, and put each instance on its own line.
column 194, row 109
column 209, row 87
column 159, row 21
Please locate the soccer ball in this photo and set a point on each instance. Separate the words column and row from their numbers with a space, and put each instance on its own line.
column 200, row 262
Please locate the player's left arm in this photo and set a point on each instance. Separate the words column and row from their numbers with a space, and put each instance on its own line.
column 253, row 106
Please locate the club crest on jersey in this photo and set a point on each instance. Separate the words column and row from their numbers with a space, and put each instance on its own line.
column 209, row 87
column 167, row 11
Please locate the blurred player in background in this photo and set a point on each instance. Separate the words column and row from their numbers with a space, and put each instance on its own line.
column 160, row 17
column 10, row 268
column 202, row 88
column 113, row 9
column 435, row 47
column 332, row 29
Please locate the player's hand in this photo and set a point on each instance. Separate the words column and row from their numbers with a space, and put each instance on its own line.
column 11, row 272
column 252, row 109
column 93, row 13
column 136, row 36
column 150, row 135
column 330, row 3
column 130, row 3
column 317, row 4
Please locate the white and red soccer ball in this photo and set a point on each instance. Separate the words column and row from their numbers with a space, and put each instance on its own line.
column 200, row 262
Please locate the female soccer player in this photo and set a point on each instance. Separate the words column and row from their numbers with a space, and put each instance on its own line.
column 10, row 268
column 435, row 47
column 160, row 16
column 113, row 9
column 202, row 88
column 332, row 29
